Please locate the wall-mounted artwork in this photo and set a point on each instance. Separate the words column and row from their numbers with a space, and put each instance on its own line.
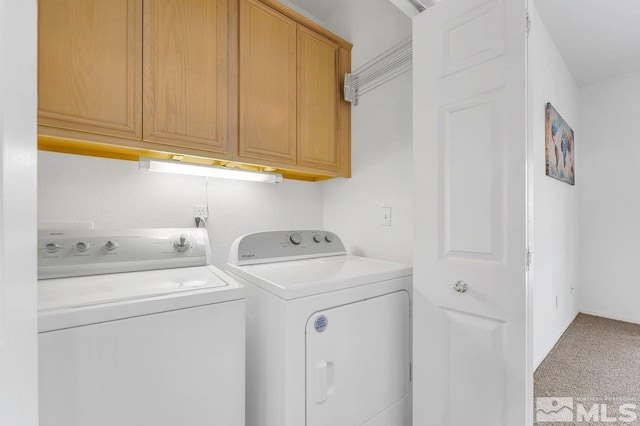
column 559, row 147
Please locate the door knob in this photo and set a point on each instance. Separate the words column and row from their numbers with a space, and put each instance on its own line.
column 460, row 287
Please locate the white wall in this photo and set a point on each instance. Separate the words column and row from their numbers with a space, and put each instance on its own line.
column 609, row 173
column 114, row 194
column 18, row 300
column 381, row 142
column 554, row 242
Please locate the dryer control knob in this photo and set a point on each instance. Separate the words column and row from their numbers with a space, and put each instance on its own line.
column 317, row 238
column 295, row 238
column 182, row 243
column 329, row 238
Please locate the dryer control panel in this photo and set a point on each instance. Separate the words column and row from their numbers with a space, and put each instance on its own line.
column 274, row 246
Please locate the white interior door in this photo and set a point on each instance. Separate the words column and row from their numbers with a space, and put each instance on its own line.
column 18, row 168
column 358, row 359
column 470, row 351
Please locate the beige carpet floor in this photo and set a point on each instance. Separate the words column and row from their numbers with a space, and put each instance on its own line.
column 596, row 361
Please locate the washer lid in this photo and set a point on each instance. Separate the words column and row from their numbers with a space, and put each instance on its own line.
column 301, row 278
column 65, row 293
column 70, row 302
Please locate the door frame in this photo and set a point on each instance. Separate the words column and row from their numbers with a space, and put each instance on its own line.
column 18, row 214
column 530, row 168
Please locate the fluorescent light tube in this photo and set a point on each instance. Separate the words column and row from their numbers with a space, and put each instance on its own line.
column 178, row 167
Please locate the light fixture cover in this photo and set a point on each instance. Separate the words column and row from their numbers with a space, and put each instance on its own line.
column 178, row 167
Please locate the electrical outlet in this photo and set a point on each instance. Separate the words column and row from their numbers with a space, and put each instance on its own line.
column 556, row 301
column 385, row 216
column 200, row 211
column 200, row 215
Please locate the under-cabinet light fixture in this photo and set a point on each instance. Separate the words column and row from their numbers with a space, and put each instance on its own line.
column 178, row 167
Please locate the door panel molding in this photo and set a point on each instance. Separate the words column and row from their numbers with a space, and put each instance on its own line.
column 472, row 197
column 476, row 340
column 461, row 49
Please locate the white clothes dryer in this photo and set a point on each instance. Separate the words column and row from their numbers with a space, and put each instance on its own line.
column 328, row 334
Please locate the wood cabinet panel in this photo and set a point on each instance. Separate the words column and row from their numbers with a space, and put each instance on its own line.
column 90, row 66
column 344, row 117
column 267, row 84
column 186, row 73
column 318, row 100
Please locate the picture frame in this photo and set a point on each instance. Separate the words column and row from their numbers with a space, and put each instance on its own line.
column 559, row 147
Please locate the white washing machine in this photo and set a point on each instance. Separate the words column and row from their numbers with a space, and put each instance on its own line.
column 328, row 334
column 136, row 328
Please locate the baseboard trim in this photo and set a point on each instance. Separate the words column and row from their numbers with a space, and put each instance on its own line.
column 538, row 361
column 610, row 316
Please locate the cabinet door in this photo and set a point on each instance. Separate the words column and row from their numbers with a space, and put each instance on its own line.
column 90, row 66
column 185, row 73
column 318, row 101
column 267, row 84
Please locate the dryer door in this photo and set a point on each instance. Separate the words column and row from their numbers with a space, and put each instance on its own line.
column 358, row 363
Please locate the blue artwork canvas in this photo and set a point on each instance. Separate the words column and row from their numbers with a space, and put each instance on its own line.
column 559, row 148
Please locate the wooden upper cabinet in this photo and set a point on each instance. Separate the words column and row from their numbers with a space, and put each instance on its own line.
column 267, row 84
column 248, row 81
column 318, row 100
column 186, row 73
column 90, row 66
column 291, row 107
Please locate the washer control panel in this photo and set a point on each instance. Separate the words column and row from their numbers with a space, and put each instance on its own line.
column 273, row 246
column 93, row 252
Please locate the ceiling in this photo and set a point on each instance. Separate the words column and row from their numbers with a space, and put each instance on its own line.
column 323, row 9
column 320, row 9
column 597, row 39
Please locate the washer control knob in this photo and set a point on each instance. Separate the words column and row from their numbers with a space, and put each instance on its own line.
column 182, row 243
column 52, row 247
column 295, row 238
column 110, row 245
column 461, row 287
column 82, row 246
column 317, row 238
column 328, row 238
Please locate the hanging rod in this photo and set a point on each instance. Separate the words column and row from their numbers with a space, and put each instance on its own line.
column 384, row 67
